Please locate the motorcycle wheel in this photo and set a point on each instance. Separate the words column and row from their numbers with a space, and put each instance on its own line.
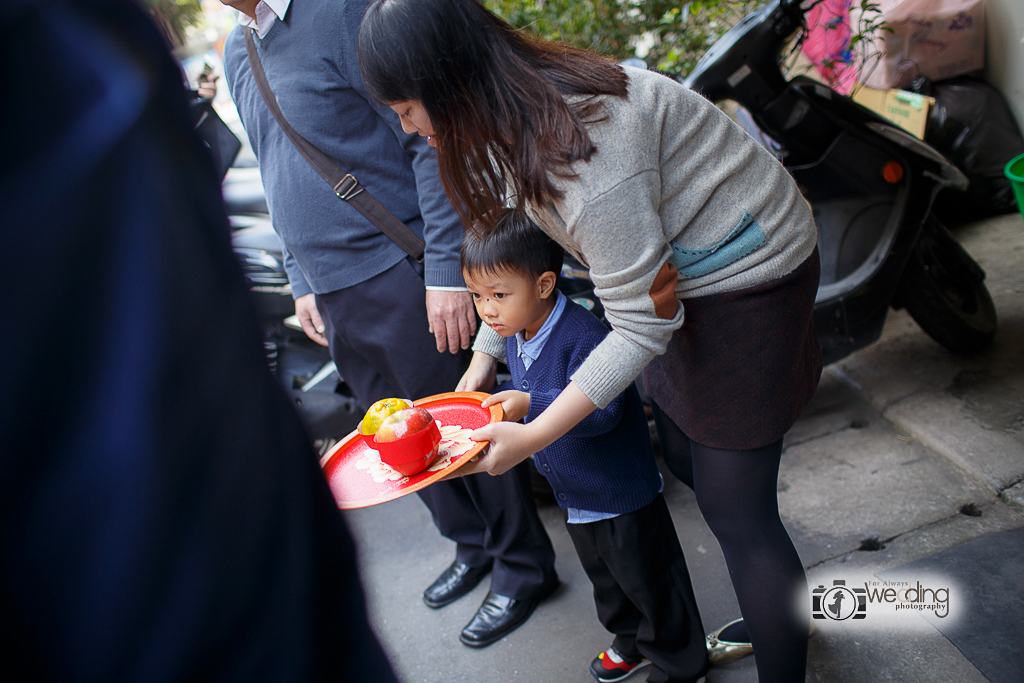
column 944, row 291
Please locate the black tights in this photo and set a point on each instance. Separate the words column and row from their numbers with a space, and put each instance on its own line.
column 737, row 494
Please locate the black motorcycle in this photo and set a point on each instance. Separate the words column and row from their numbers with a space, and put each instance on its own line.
column 871, row 186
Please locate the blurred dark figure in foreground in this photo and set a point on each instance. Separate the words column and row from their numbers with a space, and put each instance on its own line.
column 163, row 516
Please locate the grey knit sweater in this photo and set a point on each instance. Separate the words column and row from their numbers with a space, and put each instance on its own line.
column 672, row 178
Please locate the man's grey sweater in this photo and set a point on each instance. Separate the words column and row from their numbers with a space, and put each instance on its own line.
column 311, row 65
column 669, row 168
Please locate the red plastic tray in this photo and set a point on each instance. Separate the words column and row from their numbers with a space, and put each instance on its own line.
column 355, row 488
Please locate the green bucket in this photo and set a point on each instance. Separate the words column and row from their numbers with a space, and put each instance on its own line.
column 1015, row 172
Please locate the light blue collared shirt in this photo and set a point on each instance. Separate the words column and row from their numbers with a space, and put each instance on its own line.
column 529, row 351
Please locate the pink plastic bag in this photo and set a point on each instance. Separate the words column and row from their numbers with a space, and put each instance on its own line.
column 828, row 44
column 936, row 38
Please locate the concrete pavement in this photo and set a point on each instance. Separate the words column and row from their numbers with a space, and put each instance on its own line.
column 902, row 447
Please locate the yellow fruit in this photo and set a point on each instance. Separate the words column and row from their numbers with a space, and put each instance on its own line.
column 378, row 411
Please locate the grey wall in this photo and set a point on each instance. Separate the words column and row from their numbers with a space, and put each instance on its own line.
column 1004, row 60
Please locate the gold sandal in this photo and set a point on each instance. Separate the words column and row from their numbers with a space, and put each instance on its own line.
column 725, row 651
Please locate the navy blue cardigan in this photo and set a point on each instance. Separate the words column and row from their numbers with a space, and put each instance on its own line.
column 606, row 462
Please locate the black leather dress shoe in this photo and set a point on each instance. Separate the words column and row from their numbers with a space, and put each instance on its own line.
column 497, row 617
column 453, row 583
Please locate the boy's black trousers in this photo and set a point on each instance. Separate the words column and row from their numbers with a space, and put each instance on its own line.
column 642, row 590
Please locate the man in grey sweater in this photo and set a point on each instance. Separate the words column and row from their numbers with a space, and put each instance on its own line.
column 359, row 293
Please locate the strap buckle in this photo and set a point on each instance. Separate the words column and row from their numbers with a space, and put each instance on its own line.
column 348, row 187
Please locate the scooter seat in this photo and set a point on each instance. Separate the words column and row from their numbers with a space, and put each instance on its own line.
column 243, row 191
column 258, row 236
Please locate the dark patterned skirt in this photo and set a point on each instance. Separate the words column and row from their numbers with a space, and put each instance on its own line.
column 744, row 364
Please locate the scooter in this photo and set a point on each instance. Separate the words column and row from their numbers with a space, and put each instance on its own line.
column 870, row 185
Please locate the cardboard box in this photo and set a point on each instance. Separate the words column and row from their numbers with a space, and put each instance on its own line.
column 908, row 110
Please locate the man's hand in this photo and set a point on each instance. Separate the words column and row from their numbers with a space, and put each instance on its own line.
column 309, row 318
column 480, row 375
column 514, row 404
column 452, row 319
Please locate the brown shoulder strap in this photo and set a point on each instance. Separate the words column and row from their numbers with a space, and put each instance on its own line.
column 344, row 184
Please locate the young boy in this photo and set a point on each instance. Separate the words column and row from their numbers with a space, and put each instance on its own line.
column 603, row 471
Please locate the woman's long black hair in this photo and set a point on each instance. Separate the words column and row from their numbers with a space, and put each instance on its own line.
column 493, row 94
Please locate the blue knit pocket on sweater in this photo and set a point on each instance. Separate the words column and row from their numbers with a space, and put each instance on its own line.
column 741, row 240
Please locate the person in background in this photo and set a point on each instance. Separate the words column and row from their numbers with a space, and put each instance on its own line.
column 386, row 318
column 206, row 83
column 164, row 517
column 603, row 470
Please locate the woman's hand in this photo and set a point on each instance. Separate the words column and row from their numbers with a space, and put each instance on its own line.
column 481, row 374
column 513, row 443
column 510, row 444
column 514, row 404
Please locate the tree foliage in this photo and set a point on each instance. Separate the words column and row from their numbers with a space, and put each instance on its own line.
column 175, row 16
column 671, row 36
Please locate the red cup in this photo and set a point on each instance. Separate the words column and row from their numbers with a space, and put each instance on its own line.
column 368, row 440
column 412, row 453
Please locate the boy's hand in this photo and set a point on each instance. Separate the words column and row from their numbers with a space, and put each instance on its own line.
column 515, row 404
column 481, row 374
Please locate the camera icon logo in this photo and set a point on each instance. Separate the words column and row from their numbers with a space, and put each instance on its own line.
column 839, row 602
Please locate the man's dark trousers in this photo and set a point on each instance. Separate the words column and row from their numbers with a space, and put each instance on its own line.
column 379, row 339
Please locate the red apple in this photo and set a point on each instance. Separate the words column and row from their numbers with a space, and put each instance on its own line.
column 402, row 423
column 408, row 440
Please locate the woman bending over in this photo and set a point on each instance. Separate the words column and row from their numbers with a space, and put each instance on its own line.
column 699, row 244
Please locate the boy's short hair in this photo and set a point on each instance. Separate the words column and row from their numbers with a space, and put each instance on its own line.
column 515, row 245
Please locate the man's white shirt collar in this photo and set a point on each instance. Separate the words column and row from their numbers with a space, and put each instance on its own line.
column 267, row 12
